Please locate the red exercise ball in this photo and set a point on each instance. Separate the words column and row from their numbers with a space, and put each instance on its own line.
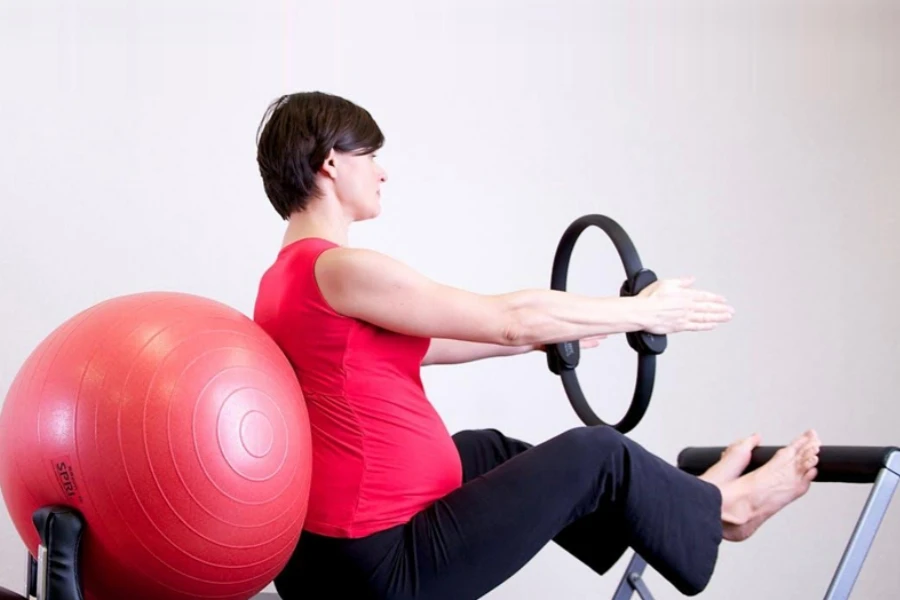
column 177, row 428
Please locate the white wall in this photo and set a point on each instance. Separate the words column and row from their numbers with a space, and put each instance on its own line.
column 755, row 145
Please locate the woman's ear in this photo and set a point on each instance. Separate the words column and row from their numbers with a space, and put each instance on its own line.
column 329, row 167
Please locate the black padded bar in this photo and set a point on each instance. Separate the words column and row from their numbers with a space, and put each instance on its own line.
column 61, row 529
column 837, row 464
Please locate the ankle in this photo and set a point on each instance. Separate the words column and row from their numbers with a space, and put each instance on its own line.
column 736, row 505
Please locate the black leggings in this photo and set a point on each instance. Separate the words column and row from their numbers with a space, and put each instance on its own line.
column 591, row 490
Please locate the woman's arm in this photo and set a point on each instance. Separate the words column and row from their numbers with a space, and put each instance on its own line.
column 442, row 351
column 370, row 286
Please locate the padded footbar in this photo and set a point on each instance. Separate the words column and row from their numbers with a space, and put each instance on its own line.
column 837, row 464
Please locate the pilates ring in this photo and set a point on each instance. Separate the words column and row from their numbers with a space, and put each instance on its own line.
column 563, row 358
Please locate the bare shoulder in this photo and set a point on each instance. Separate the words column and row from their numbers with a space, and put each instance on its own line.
column 354, row 268
column 349, row 259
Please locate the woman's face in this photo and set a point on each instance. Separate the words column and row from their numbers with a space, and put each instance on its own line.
column 358, row 184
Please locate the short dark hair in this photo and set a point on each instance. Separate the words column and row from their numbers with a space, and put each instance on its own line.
column 295, row 136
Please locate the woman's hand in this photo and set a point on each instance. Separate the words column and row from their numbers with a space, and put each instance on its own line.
column 592, row 342
column 678, row 307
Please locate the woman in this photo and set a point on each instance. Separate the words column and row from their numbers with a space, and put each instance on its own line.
column 398, row 507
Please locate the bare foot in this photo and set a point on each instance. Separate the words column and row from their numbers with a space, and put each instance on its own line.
column 752, row 499
column 734, row 461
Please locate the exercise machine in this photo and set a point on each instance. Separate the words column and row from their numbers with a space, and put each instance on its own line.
column 877, row 466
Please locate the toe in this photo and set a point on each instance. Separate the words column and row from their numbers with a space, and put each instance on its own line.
column 800, row 441
column 788, row 452
column 808, row 457
column 747, row 443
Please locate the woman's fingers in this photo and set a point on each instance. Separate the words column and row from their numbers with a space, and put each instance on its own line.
column 593, row 341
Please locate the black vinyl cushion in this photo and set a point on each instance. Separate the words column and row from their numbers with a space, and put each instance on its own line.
column 838, row 464
column 60, row 528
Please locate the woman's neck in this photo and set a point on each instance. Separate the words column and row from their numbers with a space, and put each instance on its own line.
column 320, row 219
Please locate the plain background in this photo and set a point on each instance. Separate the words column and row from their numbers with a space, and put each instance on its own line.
column 755, row 145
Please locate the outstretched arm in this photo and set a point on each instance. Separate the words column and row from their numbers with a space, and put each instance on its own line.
column 370, row 286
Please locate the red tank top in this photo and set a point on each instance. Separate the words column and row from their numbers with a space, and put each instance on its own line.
column 381, row 453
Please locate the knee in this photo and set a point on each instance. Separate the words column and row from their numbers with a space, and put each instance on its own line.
column 599, row 458
column 599, row 447
column 595, row 442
